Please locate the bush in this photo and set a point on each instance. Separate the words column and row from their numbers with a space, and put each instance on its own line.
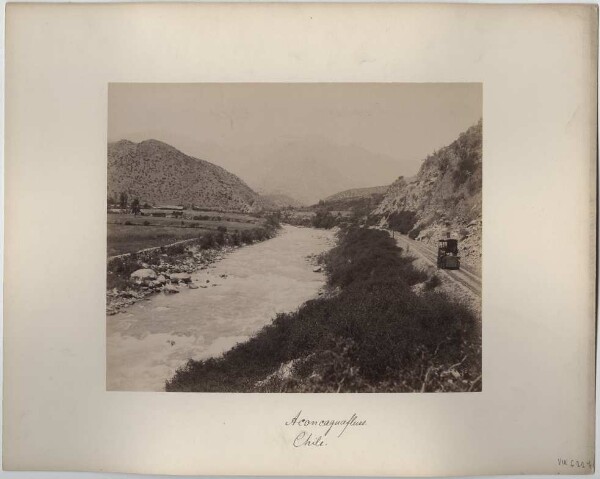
column 432, row 283
column 146, row 223
column 128, row 223
column 323, row 219
column 235, row 238
column 220, row 238
column 373, row 219
column 176, row 249
column 402, row 221
column 273, row 221
column 246, row 237
column 375, row 335
column 414, row 233
column 207, row 241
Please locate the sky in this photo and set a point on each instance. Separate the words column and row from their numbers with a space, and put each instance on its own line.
column 241, row 127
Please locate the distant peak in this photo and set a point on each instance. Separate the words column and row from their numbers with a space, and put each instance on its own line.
column 153, row 142
column 121, row 142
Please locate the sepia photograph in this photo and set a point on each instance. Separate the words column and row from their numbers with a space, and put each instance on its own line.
column 282, row 212
column 288, row 237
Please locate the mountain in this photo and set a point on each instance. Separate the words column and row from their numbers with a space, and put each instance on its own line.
column 444, row 196
column 310, row 169
column 278, row 200
column 157, row 173
column 357, row 193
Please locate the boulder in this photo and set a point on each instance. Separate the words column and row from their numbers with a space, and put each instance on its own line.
column 143, row 274
column 192, row 286
column 170, row 289
column 161, row 279
column 181, row 277
column 317, row 269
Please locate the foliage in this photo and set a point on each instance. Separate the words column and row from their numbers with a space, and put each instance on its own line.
column 123, row 200
column 432, row 283
column 373, row 219
column 414, row 233
column 323, row 219
column 402, row 221
column 375, row 335
column 135, row 207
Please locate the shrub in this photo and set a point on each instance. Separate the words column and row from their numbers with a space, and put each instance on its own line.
column 402, row 221
column 273, row 221
column 220, row 238
column 128, row 223
column 235, row 238
column 323, row 219
column 432, row 283
column 376, row 334
column 176, row 249
column 207, row 241
column 414, row 233
column 246, row 236
column 146, row 223
column 373, row 219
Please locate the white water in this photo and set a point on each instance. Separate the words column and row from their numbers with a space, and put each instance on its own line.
column 151, row 339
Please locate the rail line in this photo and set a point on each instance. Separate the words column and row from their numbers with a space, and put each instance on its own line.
column 463, row 276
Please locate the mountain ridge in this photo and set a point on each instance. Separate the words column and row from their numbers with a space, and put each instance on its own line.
column 444, row 197
column 357, row 193
column 158, row 173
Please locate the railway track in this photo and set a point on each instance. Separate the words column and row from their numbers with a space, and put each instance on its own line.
column 464, row 276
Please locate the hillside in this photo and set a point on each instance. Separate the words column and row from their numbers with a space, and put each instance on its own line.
column 357, row 193
column 444, row 196
column 157, row 173
column 277, row 201
column 311, row 169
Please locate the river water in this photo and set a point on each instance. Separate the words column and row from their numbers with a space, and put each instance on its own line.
column 244, row 291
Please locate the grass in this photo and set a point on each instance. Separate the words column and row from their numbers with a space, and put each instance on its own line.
column 375, row 335
column 131, row 238
column 143, row 232
column 134, row 238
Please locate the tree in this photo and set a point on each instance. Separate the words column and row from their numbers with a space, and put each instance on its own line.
column 402, row 221
column 323, row 219
column 123, row 200
column 135, row 207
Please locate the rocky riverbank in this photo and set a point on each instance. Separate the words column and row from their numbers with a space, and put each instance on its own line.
column 163, row 273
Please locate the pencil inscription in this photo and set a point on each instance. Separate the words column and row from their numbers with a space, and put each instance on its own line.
column 316, row 432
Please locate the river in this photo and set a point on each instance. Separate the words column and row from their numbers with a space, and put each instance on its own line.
column 244, row 291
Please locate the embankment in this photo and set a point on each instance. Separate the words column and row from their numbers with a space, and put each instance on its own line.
column 184, row 257
column 372, row 332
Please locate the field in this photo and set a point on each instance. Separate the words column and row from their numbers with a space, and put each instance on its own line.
column 127, row 233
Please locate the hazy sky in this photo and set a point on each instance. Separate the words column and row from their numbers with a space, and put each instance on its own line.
column 236, row 125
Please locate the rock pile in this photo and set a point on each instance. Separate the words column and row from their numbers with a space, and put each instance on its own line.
column 164, row 274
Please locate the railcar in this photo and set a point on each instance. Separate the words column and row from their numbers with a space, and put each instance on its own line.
column 448, row 254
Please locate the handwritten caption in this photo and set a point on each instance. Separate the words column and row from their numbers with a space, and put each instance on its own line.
column 319, row 432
